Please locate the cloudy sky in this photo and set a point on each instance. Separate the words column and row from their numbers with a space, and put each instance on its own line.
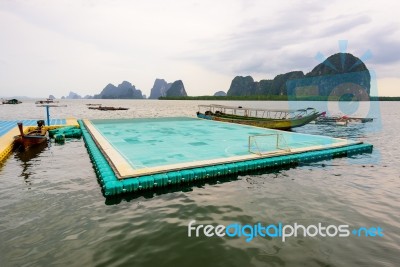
column 53, row 47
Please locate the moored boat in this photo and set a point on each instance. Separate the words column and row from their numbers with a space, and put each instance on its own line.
column 34, row 137
column 107, row 108
column 92, row 104
column 47, row 101
column 341, row 120
column 11, row 101
column 266, row 118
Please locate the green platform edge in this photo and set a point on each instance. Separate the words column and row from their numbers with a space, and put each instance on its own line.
column 113, row 186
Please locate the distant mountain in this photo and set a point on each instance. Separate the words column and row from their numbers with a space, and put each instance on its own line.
column 72, row 95
column 277, row 86
column 52, row 97
column 220, row 93
column 341, row 70
column 242, row 86
column 159, row 89
column 177, row 89
column 163, row 89
column 339, row 74
column 125, row 90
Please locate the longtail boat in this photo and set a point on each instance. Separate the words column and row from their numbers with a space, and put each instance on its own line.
column 34, row 137
column 107, row 108
column 266, row 118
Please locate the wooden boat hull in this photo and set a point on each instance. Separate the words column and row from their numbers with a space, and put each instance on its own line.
column 34, row 137
column 282, row 124
column 27, row 141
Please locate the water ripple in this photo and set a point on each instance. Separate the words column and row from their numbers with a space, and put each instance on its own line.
column 53, row 213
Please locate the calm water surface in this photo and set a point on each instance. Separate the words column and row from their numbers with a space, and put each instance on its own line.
column 52, row 212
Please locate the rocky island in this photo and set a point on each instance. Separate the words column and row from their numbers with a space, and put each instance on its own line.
column 125, row 90
column 163, row 89
column 326, row 80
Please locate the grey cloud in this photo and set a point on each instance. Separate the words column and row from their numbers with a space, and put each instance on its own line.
column 250, row 66
column 343, row 25
column 258, row 45
column 279, row 64
column 262, row 46
column 385, row 52
column 383, row 44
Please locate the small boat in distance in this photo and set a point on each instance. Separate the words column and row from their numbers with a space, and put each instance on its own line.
column 99, row 107
column 34, row 137
column 91, row 104
column 11, row 101
column 47, row 101
column 266, row 118
column 341, row 120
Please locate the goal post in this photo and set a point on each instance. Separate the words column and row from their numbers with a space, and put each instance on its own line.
column 264, row 144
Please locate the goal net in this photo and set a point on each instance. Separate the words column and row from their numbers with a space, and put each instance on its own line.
column 267, row 144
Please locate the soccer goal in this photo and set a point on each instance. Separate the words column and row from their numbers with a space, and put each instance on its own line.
column 267, row 144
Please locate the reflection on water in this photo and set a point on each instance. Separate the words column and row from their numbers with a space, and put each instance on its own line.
column 52, row 211
column 28, row 159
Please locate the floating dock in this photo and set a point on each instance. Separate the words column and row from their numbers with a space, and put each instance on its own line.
column 136, row 154
column 9, row 129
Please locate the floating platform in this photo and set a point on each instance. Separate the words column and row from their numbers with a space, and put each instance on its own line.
column 9, row 129
column 137, row 154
